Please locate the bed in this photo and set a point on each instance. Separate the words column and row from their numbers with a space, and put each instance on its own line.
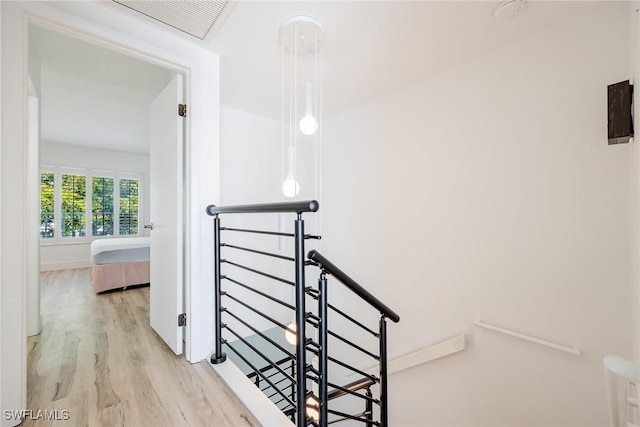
column 119, row 263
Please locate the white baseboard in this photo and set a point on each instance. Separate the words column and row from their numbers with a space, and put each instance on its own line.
column 255, row 400
column 67, row 265
column 434, row 352
column 428, row 354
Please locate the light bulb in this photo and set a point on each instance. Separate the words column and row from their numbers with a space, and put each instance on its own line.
column 290, row 334
column 313, row 408
column 290, row 187
column 308, row 124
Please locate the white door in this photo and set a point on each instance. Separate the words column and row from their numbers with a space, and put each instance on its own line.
column 166, row 152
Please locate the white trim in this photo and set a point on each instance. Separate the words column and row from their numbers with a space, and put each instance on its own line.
column 420, row 357
column 436, row 351
column 1, row 287
column 67, row 265
column 253, row 398
column 529, row 338
column 33, row 313
column 13, row 218
column 2, row 118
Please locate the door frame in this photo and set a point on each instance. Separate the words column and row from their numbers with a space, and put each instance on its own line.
column 102, row 23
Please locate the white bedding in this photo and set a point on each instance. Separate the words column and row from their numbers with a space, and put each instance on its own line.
column 117, row 244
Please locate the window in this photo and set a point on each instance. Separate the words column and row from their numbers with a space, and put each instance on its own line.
column 47, row 185
column 128, row 206
column 74, row 197
column 102, row 206
column 82, row 204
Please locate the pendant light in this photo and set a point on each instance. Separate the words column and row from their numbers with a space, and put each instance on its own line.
column 301, row 39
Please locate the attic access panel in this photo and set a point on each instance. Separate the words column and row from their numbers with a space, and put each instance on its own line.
column 192, row 17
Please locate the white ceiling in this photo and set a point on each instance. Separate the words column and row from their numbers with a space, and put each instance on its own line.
column 95, row 96
column 371, row 47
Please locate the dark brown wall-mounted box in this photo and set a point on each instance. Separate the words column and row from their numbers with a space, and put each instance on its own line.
column 620, row 112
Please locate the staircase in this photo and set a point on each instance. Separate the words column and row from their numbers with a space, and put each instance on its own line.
column 317, row 377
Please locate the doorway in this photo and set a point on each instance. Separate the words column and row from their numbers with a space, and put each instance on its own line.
column 103, row 25
column 97, row 124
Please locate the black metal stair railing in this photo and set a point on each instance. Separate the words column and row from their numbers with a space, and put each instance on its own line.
column 299, row 379
column 367, row 380
column 273, row 372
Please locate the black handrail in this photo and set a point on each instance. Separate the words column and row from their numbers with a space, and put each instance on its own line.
column 331, row 268
column 296, row 207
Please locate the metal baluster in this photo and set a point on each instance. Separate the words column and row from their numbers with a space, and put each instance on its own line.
column 218, row 356
column 369, row 408
column 301, row 362
column 323, row 351
column 384, row 415
column 293, row 388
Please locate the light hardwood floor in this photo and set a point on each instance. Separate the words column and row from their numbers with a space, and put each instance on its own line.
column 98, row 358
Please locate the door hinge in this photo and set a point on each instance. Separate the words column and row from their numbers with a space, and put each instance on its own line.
column 182, row 319
column 182, row 110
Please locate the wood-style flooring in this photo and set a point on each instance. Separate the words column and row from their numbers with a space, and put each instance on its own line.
column 98, row 358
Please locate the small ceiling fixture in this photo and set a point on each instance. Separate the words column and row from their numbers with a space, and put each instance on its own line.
column 508, row 10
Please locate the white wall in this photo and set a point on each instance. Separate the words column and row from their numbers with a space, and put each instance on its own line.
column 2, row 332
column 634, row 36
column 251, row 173
column 34, row 314
column 34, row 66
column 501, row 202
column 74, row 254
column 488, row 192
column 250, row 143
column 12, row 324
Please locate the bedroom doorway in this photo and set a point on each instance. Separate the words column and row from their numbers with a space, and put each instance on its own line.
column 103, row 24
column 97, row 98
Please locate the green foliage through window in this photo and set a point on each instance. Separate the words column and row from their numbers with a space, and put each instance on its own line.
column 67, row 196
column 102, row 206
column 47, row 192
column 74, row 197
column 129, row 206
